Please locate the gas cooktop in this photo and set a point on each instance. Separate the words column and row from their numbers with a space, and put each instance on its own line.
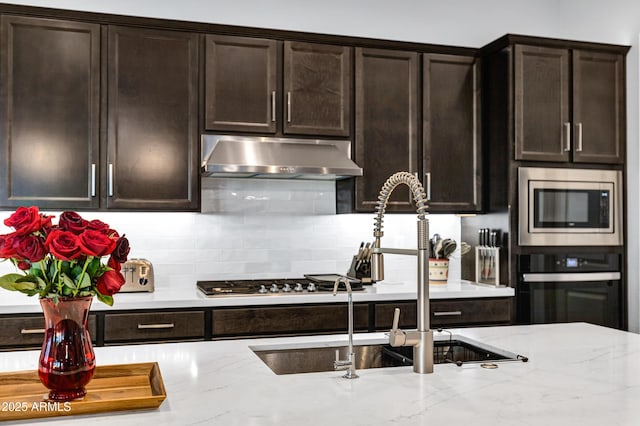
column 270, row 287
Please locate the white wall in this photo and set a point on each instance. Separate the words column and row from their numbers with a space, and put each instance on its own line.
column 456, row 22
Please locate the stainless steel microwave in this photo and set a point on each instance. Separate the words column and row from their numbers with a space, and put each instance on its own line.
column 569, row 207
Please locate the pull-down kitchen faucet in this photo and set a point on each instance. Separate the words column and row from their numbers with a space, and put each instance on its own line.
column 422, row 338
column 350, row 363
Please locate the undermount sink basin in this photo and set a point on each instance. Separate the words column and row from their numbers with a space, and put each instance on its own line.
column 309, row 359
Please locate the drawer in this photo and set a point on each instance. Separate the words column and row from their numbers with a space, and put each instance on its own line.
column 458, row 312
column 170, row 326
column 28, row 331
column 287, row 320
column 384, row 315
column 470, row 312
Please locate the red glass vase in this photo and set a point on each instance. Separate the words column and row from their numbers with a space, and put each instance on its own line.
column 67, row 360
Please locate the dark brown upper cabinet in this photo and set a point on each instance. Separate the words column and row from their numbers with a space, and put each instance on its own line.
column 49, row 122
column 241, row 84
column 386, row 95
column 451, row 141
column 317, row 86
column 569, row 105
column 598, row 107
column 152, row 143
column 251, row 86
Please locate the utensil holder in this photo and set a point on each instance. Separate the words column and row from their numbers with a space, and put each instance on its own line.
column 438, row 271
column 488, row 265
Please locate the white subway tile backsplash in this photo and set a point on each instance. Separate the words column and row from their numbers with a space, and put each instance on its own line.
column 263, row 228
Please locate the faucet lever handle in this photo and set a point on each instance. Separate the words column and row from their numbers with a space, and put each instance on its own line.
column 396, row 319
column 397, row 337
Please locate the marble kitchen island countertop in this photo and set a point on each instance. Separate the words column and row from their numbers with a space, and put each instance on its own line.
column 163, row 298
column 577, row 374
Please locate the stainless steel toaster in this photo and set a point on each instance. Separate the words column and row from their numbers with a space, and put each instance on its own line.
column 138, row 275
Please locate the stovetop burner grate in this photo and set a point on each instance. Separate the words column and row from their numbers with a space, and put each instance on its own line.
column 268, row 287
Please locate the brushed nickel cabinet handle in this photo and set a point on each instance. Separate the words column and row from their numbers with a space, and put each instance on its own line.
column 428, row 175
column 447, row 313
column 32, row 331
column 288, row 107
column 579, row 137
column 110, row 182
column 273, row 106
column 567, row 137
column 93, row 179
column 155, row 326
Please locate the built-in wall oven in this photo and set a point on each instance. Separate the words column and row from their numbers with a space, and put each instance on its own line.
column 569, row 288
column 569, row 207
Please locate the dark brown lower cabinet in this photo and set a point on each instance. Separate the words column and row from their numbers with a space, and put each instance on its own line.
column 448, row 313
column 27, row 331
column 171, row 325
column 231, row 322
column 153, row 326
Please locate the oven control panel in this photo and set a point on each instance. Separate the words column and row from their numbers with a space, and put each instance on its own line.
column 583, row 262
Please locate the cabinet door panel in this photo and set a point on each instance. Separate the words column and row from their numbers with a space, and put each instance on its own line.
column 541, row 103
column 598, row 107
column 240, row 84
column 317, row 86
column 451, row 132
column 50, row 123
column 386, row 119
column 152, row 140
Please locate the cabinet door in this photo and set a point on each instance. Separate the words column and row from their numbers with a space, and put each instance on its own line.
column 542, row 122
column 50, row 97
column 317, row 86
column 152, row 134
column 240, row 84
column 451, row 132
column 598, row 107
column 386, row 119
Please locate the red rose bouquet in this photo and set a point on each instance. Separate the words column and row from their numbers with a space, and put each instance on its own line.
column 63, row 260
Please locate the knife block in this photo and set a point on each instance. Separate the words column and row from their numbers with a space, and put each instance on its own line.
column 360, row 270
column 488, row 265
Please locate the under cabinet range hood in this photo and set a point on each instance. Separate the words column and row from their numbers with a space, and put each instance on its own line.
column 283, row 158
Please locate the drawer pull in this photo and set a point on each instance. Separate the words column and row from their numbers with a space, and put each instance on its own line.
column 447, row 313
column 155, row 326
column 32, row 331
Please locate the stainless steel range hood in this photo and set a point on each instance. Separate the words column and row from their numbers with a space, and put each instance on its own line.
column 266, row 157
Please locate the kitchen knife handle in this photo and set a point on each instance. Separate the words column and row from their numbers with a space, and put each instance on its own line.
column 288, row 107
column 93, row 179
column 273, row 106
column 155, row 326
column 110, row 181
column 32, row 331
column 579, row 137
column 567, row 137
column 428, row 174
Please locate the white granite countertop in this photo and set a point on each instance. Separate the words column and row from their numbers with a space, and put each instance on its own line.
column 162, row 298
column 577, row 374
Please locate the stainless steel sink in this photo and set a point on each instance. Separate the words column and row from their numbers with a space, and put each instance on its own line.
column 308, row 359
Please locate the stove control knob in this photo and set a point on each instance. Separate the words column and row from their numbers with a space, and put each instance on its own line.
column 262, row 289
column 286, row 288
column 274, row 288
column 311, row 287
column 298, row 287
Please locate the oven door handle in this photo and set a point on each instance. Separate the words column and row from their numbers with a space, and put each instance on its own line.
column 570, row 277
